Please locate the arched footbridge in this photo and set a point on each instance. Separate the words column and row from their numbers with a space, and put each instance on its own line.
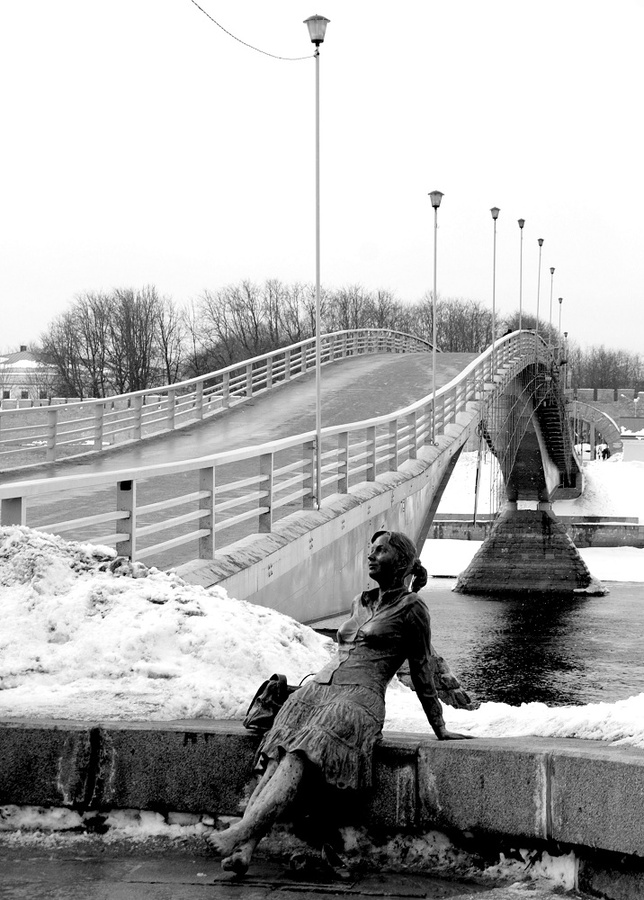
column 593, row 425
column 246, row 517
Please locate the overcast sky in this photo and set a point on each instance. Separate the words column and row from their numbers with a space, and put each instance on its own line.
column 142, row 145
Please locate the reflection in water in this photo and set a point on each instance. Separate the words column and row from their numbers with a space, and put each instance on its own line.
column 528, row 650
column 557, row 651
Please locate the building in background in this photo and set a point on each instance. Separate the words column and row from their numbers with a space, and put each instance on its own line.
column 25, row 376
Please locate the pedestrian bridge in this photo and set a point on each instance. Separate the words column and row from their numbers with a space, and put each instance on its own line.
column 248, row 516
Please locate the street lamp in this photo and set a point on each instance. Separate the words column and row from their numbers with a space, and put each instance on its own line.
column 495, row 215
column 317, row 29
column 435, row 197
column 521, row 224
column 536, row 331
column 552, row 278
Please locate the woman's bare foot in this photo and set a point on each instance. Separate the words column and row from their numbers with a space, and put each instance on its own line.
column 239, row 860
column 224, row 842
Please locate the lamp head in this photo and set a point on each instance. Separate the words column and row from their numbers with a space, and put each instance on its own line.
column 521, row 223
column 495, row 212
column 552, row 270
column 560, row 301
column 540, row 242
column 317, row 28
column 436, row 197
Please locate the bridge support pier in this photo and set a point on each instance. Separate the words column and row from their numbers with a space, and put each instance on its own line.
column 528, row 551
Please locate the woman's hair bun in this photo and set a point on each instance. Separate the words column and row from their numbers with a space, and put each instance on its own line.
column 419, row 572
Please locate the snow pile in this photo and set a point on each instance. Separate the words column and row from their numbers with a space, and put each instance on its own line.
column 89, row 636
column 621, row 722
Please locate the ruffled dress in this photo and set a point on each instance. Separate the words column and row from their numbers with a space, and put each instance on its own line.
column 336, row 719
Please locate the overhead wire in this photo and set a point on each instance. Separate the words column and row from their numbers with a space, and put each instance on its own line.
column 250, row 46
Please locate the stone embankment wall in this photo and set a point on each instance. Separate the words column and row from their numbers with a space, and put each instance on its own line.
column 579, row 801
column 584, row 531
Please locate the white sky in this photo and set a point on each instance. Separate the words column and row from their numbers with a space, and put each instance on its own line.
column 142, row 145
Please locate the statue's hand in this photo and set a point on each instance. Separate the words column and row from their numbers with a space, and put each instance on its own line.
column 446, row 735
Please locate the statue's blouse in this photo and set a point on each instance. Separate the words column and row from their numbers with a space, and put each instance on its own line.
column 375, row 641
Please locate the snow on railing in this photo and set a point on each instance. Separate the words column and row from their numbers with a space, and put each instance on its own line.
column 247, row 489
column 47, row 433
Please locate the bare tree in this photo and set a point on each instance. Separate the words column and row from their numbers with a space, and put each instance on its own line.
column 386, row 310
column 131, row 346
column 308, row 309
column 600, row 367
column 350, row 307
column 246, row 309
column 273, row 302
column 217, row 338
column 171, row 340
column 91, row 313
column 76, row 344
column 293, row 312
column 197, row 362
column 114, row 343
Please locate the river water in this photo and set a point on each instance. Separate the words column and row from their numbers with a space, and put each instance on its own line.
column 557, row 651
column 569, row 651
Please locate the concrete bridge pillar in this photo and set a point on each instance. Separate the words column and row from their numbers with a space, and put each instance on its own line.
column 528, row 551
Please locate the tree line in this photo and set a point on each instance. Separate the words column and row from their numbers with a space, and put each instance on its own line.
column 132, row 339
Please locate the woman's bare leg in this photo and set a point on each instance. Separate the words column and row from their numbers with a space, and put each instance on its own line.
column 239, row 859
column 270, row 798
column 267, row 774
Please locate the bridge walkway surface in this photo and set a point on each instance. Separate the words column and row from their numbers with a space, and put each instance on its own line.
column 351, row 390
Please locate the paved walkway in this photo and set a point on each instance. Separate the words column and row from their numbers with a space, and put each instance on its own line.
column 352, row 389
column 29, row 875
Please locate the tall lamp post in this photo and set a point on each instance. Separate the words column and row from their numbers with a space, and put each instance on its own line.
column 536, row 330
column 495, row 215
column 552, row 278
column 521, row 224
column 435, row 197
column 317, row 29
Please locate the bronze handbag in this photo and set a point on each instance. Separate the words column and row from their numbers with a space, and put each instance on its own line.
column 267, row 702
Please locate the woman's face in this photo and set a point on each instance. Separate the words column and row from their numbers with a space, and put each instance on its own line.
column 383, row 561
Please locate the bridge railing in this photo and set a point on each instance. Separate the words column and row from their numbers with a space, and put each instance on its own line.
column 229, row 494
column 48, row 433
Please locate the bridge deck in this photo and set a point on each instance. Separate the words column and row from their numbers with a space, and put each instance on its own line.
column 352, row 390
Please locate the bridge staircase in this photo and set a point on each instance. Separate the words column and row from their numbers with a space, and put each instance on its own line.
column 551, row 410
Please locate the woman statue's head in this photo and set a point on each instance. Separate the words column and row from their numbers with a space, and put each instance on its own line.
column 392, row 559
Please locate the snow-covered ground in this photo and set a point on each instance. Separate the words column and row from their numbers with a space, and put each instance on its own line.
column 85, row 637
column 611, row 488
